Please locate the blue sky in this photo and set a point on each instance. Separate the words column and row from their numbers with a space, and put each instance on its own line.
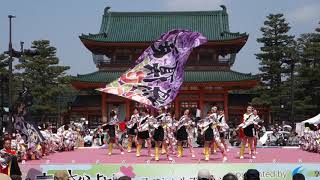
column 62, row 21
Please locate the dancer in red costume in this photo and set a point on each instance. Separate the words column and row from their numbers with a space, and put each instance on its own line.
column 9, row 164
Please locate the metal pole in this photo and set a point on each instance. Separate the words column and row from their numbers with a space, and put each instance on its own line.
column 10, row 94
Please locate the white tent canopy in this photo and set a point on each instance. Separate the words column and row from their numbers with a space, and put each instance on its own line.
column 314, row 120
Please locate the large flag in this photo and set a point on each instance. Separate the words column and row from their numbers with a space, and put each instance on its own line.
column 158, row 73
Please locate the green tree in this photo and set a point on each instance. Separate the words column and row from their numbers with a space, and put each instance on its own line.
column 308, row 79
column 277, row 52
column 3, row 78
column 46, row 79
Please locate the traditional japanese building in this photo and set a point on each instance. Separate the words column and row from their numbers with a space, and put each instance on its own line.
column 123, row 36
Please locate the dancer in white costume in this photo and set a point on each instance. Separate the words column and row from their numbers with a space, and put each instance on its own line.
column 132, row 128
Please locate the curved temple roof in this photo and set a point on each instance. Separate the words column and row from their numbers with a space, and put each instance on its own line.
column 148, row 26
column 190, row 76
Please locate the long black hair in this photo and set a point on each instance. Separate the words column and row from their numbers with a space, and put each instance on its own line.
column 113, row 113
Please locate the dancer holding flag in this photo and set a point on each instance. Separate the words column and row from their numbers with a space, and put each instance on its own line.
column 156, row 77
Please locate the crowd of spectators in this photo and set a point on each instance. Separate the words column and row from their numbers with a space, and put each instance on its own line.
column 33, row 147
column 310, row 140
column 276, row 135
column 250, row 174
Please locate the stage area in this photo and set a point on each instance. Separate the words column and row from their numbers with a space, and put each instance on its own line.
column 99, row 155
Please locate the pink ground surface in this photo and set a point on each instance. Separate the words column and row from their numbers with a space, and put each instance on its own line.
column 94, row 155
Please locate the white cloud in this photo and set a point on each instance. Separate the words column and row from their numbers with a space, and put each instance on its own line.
column 180, row 5
column 305, row 14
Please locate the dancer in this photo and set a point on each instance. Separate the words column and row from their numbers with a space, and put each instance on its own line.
column 257, row 120
column 159, row 132
column 112, row 132
column 132, row 128
column 210, row 129
column 170, row 140
column 216, row 139
column 143, row 132
column 21, row 147
column 247, row 127
column 182, row 133
column 214, row 115
column 190, row 129
column 223, row 127
column 47, row 144
column 67, row 138
column 207, row 132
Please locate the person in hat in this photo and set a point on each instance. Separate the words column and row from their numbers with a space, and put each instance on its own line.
column 251, row 174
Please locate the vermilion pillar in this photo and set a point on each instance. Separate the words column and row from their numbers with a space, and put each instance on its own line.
column 226, row 111
column 176, row 108
column 103, row 107
column 201, row 103
column 127, row 109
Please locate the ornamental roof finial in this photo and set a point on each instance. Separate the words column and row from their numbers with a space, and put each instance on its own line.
column 106, row 10
column 224, row 8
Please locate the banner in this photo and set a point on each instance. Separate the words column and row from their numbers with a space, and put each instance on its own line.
column 158, row 73
column 268, row 171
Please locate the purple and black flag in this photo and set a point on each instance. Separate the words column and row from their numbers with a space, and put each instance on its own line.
column 158, row 73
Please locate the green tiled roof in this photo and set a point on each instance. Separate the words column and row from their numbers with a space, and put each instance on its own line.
column 148, row 26
column 190, row 76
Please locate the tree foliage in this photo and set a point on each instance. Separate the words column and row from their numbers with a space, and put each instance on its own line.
column 3, row 78
column 307, row 101
column 44, row 76
column 277, row 53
